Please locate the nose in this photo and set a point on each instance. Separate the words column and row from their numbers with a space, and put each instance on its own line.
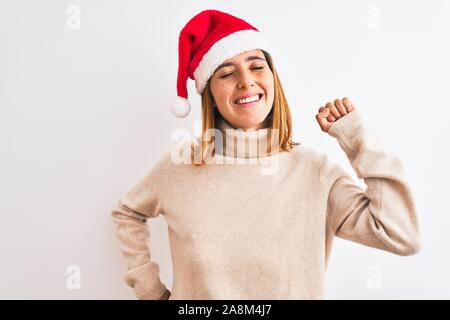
column 245, row 80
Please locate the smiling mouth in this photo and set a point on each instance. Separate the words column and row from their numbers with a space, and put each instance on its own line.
column 250, row 103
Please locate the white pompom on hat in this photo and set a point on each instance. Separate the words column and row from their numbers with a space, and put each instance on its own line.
column 207, row 40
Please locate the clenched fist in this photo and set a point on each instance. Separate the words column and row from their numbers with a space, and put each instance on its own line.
column 332, row 112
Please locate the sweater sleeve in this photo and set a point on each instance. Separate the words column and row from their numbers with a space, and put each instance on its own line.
column 144, row 200
column 384, row 215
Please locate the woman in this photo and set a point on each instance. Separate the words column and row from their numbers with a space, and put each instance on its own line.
column 237, row 229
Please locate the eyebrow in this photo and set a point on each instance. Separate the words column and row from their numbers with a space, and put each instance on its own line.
column 249, row 58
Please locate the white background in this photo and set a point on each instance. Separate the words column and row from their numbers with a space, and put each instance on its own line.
column 85, row 112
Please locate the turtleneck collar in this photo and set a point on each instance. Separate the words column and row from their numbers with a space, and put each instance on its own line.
column 238, row 143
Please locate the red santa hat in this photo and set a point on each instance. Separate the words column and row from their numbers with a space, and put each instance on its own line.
column 207, row 40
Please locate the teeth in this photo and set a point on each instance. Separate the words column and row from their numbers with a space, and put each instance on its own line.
column 247, row 100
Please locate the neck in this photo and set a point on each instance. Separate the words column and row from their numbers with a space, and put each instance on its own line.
column 262, row 125
column 241, row 143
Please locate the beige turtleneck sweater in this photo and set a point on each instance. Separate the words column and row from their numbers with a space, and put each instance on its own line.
column 263, row 229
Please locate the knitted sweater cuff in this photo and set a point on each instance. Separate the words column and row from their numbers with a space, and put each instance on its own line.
column 345, row 127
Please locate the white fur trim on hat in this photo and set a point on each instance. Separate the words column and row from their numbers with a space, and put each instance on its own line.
column 226, row 48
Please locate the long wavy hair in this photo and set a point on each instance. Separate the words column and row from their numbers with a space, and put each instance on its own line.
column 279, row 115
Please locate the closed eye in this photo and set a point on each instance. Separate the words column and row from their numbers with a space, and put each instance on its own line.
column 229, row 74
